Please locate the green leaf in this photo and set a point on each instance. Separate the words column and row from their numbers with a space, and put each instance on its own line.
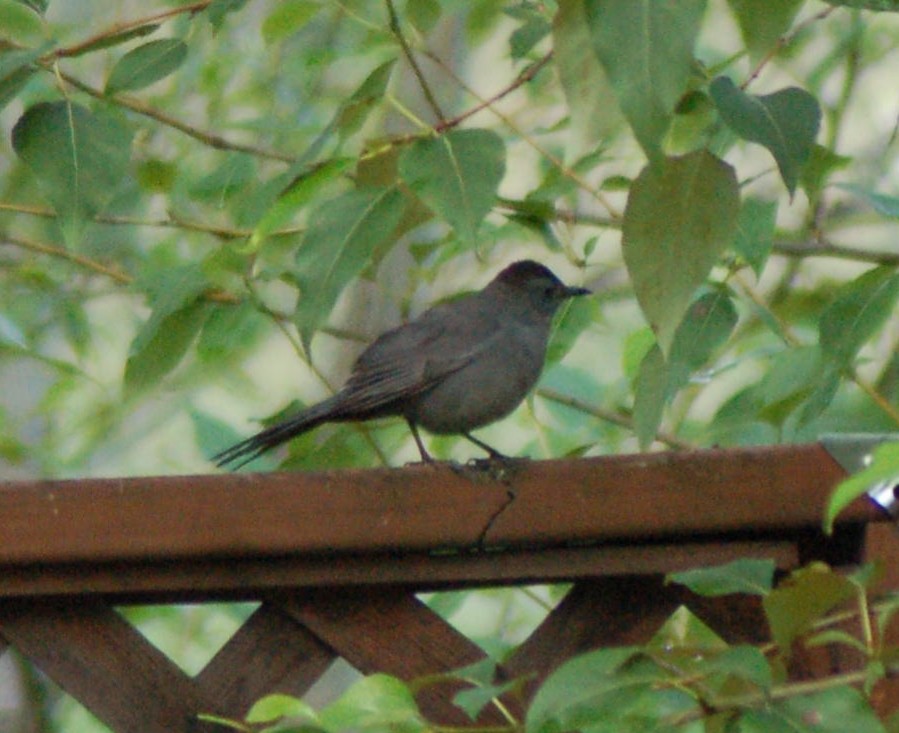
column 287, row 17
column 381, row 170
column 528, row 35
column 650, row 392
column 836, row 636
column 858, row 312
column 355, row 110
column 821, row 163
column 802, row 599
column 687, row 648
column 755, row 232
column 881, row 203
column 422, row 14
column 20, row 24
column 694, row 126
column 177, row 316
column 231, row 176
column 636, row 347
column 273, row 707
column 883, row 469
column 146, row 64
column 744, row 662
column 785, row 122
column 606, row 691
column 456, row 175
column 376, row 702
column 706, row 326
column 79, row 158
column 763, row 22
column 823, row 394
column 588, row 94
column 480, row 675
column 16, row 68
column 747, row 575
column 229, row 329
column 218, row 10
column 646, row 47
column 293, row 198
column 575, row 316
column 680, row 216
column 685, row 630
column 161, row 344
column 837, row 710
column 793, row 373
column 572, row 684
column 343, row 238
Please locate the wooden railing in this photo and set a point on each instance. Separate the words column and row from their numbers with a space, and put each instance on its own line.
column 336, row 559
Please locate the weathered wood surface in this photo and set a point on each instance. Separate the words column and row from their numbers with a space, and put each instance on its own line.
column 547, row 520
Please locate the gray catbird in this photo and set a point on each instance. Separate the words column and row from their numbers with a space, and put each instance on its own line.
column 459, row 366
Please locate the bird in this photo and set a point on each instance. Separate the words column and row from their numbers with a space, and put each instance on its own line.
column 459, row 366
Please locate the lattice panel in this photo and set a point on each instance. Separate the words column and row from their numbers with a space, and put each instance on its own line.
column 336, row 559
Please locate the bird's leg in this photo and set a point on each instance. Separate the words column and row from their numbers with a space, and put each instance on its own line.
column 494, row 454
column 425, row 456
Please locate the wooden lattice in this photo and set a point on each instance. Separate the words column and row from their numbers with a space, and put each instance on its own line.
column 337, row 558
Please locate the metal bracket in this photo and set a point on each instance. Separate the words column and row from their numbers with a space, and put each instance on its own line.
column 854, row 451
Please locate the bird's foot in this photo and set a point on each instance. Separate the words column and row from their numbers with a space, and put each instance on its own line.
column 497, row 466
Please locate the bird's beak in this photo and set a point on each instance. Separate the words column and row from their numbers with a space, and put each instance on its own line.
column 571, row 292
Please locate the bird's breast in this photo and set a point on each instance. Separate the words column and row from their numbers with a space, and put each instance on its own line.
column 491, row 386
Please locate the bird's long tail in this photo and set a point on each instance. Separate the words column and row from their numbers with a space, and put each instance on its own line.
column 254, row 446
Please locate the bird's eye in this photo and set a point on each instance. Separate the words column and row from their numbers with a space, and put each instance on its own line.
column 548, row 292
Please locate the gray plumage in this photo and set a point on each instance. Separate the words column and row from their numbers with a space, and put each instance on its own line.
column 459, row 366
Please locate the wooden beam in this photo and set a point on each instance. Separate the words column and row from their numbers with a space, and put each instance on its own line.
column 420, row 507
column 242, row 578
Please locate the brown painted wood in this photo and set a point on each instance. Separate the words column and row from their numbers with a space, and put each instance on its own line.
column 270, row 652
column 95, row 655
column 245, row 578
column 653, row 495
column 389, row 630
column 339, row 555
column 419, row 508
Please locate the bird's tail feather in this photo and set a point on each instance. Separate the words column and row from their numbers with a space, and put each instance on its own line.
column 245, row 451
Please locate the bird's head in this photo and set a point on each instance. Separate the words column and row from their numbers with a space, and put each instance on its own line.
column 536, row 285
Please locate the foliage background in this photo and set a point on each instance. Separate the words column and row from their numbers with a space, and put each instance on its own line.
column 256, row 189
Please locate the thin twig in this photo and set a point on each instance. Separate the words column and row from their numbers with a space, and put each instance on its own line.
column 782, row 42
column 823, row 248
column 416, row 69
column 87, row 263
column 207, row 138
column 506, row 120
column 126, row 26
column 526, row 75
column 613, row 416
column 98, row 268
column 193, row 226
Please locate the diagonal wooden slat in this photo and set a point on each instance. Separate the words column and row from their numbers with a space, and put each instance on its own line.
column 271, row 652
column 603, row 612
column 97, row 657
column 390, row 630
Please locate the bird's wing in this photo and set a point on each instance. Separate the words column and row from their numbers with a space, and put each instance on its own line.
column 409, row 360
